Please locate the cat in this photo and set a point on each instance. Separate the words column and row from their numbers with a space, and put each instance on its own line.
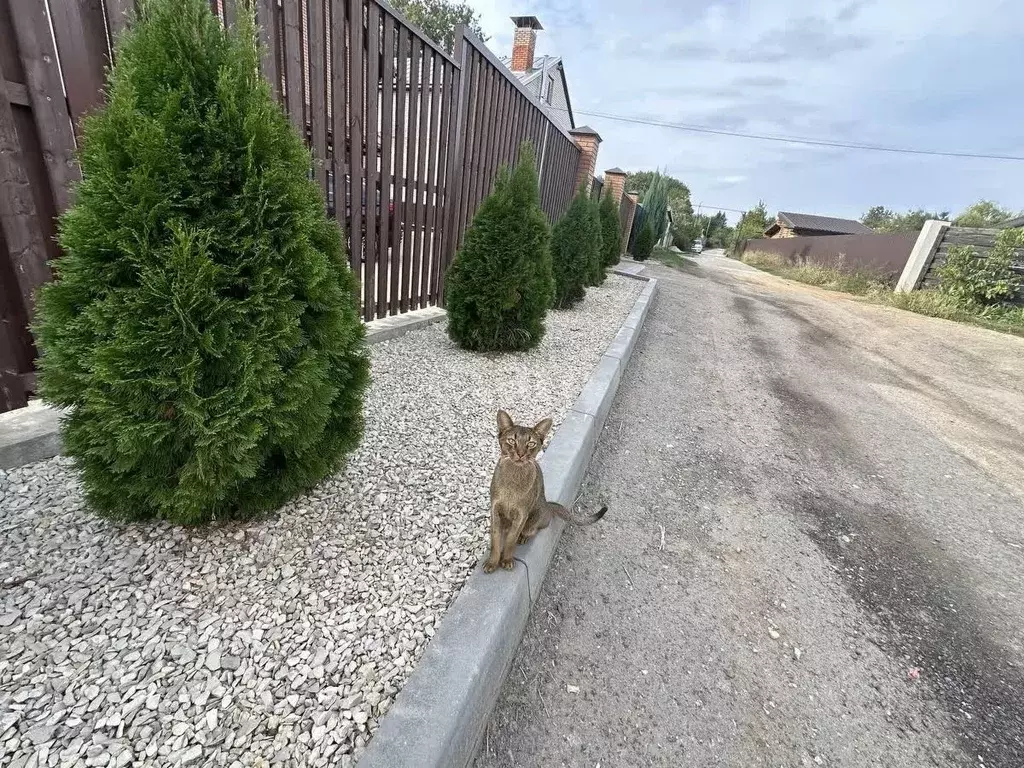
column 518, row 506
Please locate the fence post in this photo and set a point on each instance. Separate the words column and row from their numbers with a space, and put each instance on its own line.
column 456, row 160
column 928, row 241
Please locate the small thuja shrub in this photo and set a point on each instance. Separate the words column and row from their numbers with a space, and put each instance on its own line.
column 204, row 324
column 575, row 248
column 972, row 280
column 597, row 273
column 611, row 234
column 643, row 246
column 499, row 287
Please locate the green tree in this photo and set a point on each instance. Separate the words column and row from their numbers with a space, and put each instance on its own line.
column 439, row 19
column 883, row 220
column 879, row 218
column 753, row 223
column 597, row 271
column 983, row 213
column 677, row 192
column 203, row 328
column 655, row 202
column 611, row 231
column 575, row 248
column 500, row 286
column 645, row 241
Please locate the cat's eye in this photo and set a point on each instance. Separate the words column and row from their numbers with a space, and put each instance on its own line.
column 510, row 440
column 532, row 443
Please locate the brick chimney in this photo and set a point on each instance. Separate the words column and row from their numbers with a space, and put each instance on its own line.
column 524, row 43
column 588, row 140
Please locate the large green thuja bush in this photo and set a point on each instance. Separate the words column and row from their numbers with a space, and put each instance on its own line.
column 499, row 287
column 204, row 324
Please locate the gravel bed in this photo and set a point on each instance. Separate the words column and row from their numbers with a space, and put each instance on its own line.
column 280, row 641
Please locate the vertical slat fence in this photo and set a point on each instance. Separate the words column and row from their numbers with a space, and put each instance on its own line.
column 405, row 139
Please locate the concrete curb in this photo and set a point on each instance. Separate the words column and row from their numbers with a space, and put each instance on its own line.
column 440, row 714
column 32, row 434
column 29, row 434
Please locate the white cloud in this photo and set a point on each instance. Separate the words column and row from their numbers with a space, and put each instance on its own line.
column 918, row 73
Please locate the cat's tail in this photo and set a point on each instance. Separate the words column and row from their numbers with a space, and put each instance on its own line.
column 566, row 515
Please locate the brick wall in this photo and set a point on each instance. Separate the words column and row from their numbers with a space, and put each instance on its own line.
column 588, row 144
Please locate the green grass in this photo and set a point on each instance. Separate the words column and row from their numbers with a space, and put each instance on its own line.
column 936, row 304
column 873, row 288
column 672, row 259
column 859, row 283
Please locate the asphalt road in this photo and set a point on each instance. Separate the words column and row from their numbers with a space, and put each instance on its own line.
column 814, row 550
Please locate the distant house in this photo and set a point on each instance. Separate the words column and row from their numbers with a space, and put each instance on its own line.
column 543, row 76
column 1014, row 223
column 805, row 224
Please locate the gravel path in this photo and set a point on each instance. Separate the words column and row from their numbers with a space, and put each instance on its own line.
column 282, row 641
column 813, row 554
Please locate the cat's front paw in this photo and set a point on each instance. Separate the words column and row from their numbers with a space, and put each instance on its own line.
column 508, row 565
column 489, row 567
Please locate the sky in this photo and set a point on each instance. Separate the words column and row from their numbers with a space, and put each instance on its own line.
column 943, row 75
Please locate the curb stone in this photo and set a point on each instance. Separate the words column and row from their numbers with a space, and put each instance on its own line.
column 32, row 434
column 439, row 716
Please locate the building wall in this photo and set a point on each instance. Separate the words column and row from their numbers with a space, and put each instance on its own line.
column 559, row 101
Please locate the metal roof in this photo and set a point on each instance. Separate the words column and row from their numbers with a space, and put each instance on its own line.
column 824, row 223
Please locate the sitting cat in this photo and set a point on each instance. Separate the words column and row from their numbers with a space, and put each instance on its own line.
column 518, row 506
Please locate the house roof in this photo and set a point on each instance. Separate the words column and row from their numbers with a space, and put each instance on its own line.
column 1013, row 223
column 544, row 64
column 821, row 224
column 615, row 170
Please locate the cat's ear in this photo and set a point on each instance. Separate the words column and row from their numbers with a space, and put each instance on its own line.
column 504, row 422
column 542, row 427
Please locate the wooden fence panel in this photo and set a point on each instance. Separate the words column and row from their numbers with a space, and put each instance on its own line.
column 79, row 29
column 405, row 139
column 389, row 127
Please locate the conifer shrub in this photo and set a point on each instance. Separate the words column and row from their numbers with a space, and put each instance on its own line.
column 611, row 235
column 499, row 287
column 203, row 326
column 643, row 246
column 575, row 248
column 597, row 272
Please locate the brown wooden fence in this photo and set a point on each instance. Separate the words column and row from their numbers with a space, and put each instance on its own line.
column 880, row 254
column 405, row 138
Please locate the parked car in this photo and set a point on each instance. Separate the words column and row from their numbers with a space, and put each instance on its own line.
column 698, row 246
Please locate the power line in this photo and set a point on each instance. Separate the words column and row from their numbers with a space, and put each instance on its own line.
column 718, row 208
column 798, row 139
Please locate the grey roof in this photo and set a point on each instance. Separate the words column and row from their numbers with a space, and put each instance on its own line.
column 586, row 130
column 1013, row 223
column 824, row 223
column 617, row 170
column 542, row 63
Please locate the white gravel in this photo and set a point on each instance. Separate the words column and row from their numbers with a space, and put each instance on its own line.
column 280, row 641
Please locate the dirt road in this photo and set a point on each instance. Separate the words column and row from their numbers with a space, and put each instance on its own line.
column 814, row 553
